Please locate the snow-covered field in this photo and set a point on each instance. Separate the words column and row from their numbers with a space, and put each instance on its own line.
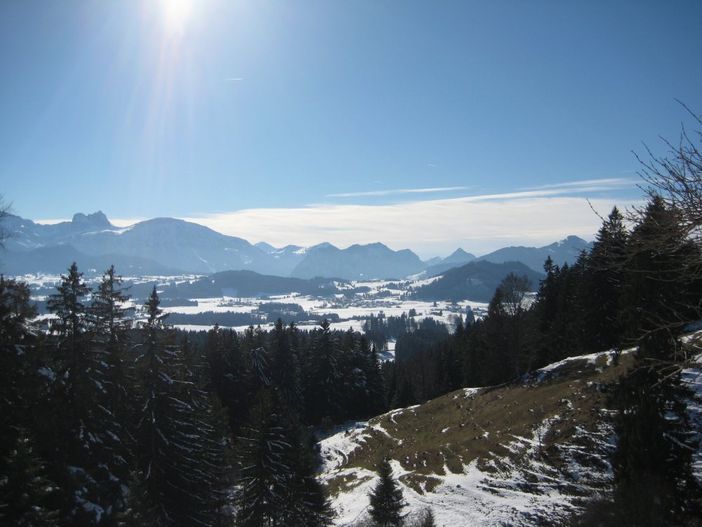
column 473, row 497
column 349, row 309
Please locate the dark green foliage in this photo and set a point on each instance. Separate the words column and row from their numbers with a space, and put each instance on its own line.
column 87, row 438
column 386, row 501
column 602, row 283
column 277, row 468
column 67, row 304
column 265, row 471
column 180, row 455
column 661, row 287
column 323, row 393
column 26, row 493
column 653, row 479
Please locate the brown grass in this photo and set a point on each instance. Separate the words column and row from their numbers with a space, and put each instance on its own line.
column 453, row 430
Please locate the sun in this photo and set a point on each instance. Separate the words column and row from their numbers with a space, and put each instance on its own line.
column 176, row 14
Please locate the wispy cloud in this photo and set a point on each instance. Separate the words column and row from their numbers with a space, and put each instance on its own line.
column 554, row 189
column 396, row 191
column 586, row 184
column 234, row 79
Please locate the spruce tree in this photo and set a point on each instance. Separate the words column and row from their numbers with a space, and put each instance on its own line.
column 602, row 285
column 82, row 444
column 264, row 473
column 71, row 325
column 386, row 501
column 323, row 381
column 285, row 369
column 180, row 453
column 653, row 479
column 660, row 285
column 26, row 493
column 108, row 347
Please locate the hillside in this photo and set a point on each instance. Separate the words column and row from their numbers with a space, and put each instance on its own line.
column 248, row 284
column 563, row 251
column 475, row 281
column 528, row 453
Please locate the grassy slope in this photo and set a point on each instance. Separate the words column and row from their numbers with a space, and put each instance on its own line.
column 546, row 436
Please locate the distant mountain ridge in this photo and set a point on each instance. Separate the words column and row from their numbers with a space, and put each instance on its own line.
column 475, row 281
column 457, row 258
column 169, row 246
column 357, row 262
column 563, row 251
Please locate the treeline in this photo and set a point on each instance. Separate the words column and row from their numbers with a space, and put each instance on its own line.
column 104, row 424
column 639, row 287
column 107, row 422
column 379, row 329
column 267, row 313
column 636, row 284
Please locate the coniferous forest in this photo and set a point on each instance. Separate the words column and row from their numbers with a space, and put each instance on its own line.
column 110, row 422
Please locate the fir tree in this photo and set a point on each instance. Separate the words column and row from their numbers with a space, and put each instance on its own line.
column 81, row 444
column 305, row 500
column 659, row 287
column 26, row 493
column 112, row 379
column 264, row 474
column 322, row 389
column 386, row 501
column 602, row 284
column 180, row 453
column 285, row 369
column 71, row 325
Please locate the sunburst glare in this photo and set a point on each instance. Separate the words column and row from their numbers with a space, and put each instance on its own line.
column 176, row 14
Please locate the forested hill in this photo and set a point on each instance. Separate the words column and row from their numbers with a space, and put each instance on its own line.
column 249, row 284
column 110, row 422
column 474, row 281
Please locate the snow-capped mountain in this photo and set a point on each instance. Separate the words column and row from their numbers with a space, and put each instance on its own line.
column 173, row 246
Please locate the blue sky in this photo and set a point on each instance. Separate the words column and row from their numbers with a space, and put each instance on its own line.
column 261, row 118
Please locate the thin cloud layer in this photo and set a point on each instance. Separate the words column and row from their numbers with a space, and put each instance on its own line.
column 396, row 191
column 479, row 224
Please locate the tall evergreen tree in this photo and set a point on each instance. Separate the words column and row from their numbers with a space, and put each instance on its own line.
column 82, row 445
column 264, row 473
column 660, row 287
column 71, row 325
column 285, row 369
column 108, row 347
column 323, row 382
column 179, row 451
column 603, row 279
column 386, row 501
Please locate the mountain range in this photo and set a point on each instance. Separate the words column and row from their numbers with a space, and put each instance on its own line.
column 168, row 246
